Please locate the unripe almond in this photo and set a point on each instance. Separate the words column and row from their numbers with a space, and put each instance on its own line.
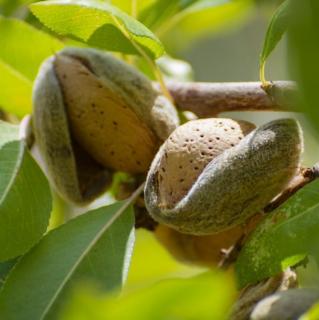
column 231, row 187
column 88, row 100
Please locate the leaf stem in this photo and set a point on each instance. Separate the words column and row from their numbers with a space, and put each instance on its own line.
column 264, row 83
column 153, row 65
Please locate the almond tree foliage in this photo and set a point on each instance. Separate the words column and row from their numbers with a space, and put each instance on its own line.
column 77, row 240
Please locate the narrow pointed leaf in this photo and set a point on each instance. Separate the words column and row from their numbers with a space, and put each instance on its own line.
column 5, row 268
column 283, row 239
column 99, row 24
column 276, row 29
column 8, row 132
column 94, row 246
column 25, row 200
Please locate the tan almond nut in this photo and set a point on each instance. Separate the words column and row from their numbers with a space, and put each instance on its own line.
column 190, row 148
column 206, row 192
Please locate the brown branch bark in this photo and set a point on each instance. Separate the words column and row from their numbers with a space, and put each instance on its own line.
column 305, row 176
column 210, row 99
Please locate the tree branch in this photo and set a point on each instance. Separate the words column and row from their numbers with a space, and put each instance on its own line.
column 305, row 176
column 210, row 99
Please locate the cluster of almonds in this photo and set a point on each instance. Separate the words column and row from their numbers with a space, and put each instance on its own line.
column 207, row 180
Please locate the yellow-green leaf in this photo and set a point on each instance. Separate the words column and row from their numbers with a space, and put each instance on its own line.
column 98, row 23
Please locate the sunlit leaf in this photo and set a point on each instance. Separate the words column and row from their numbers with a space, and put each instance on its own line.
column 23, row 48
column 98, row 23
column 159, row 264
column 205, row 297
column 94, row 246
column 8, row 132
column 132, row 7
column 312, row 314
column 288, row 234
column 16, row 91
column 179, row 22
column 8, row 7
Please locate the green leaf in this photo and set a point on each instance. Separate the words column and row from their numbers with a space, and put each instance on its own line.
column 205, row 297
column 132, row 7
column 159, row 265
column 94, row 246
column 163, row 11
column 98, row 23
column 312, row 313
column 5, row 268
column 23, row 48
column 201, row 18
column 25, row 201
column 8, row 7
column 8, row 132
column 304, row 48
column 16, row 92
column 277, row 27
column 283, row 239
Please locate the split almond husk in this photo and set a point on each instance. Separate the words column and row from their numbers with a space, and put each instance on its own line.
column 103, row 105
column 219, row 188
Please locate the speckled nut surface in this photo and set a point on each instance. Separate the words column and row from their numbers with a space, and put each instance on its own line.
column 225, row 191
column 189, row 149
column 88, row 98
column 285, row 305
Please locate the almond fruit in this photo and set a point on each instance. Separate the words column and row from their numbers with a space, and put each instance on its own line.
column 88, row 98
column 213, row 194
